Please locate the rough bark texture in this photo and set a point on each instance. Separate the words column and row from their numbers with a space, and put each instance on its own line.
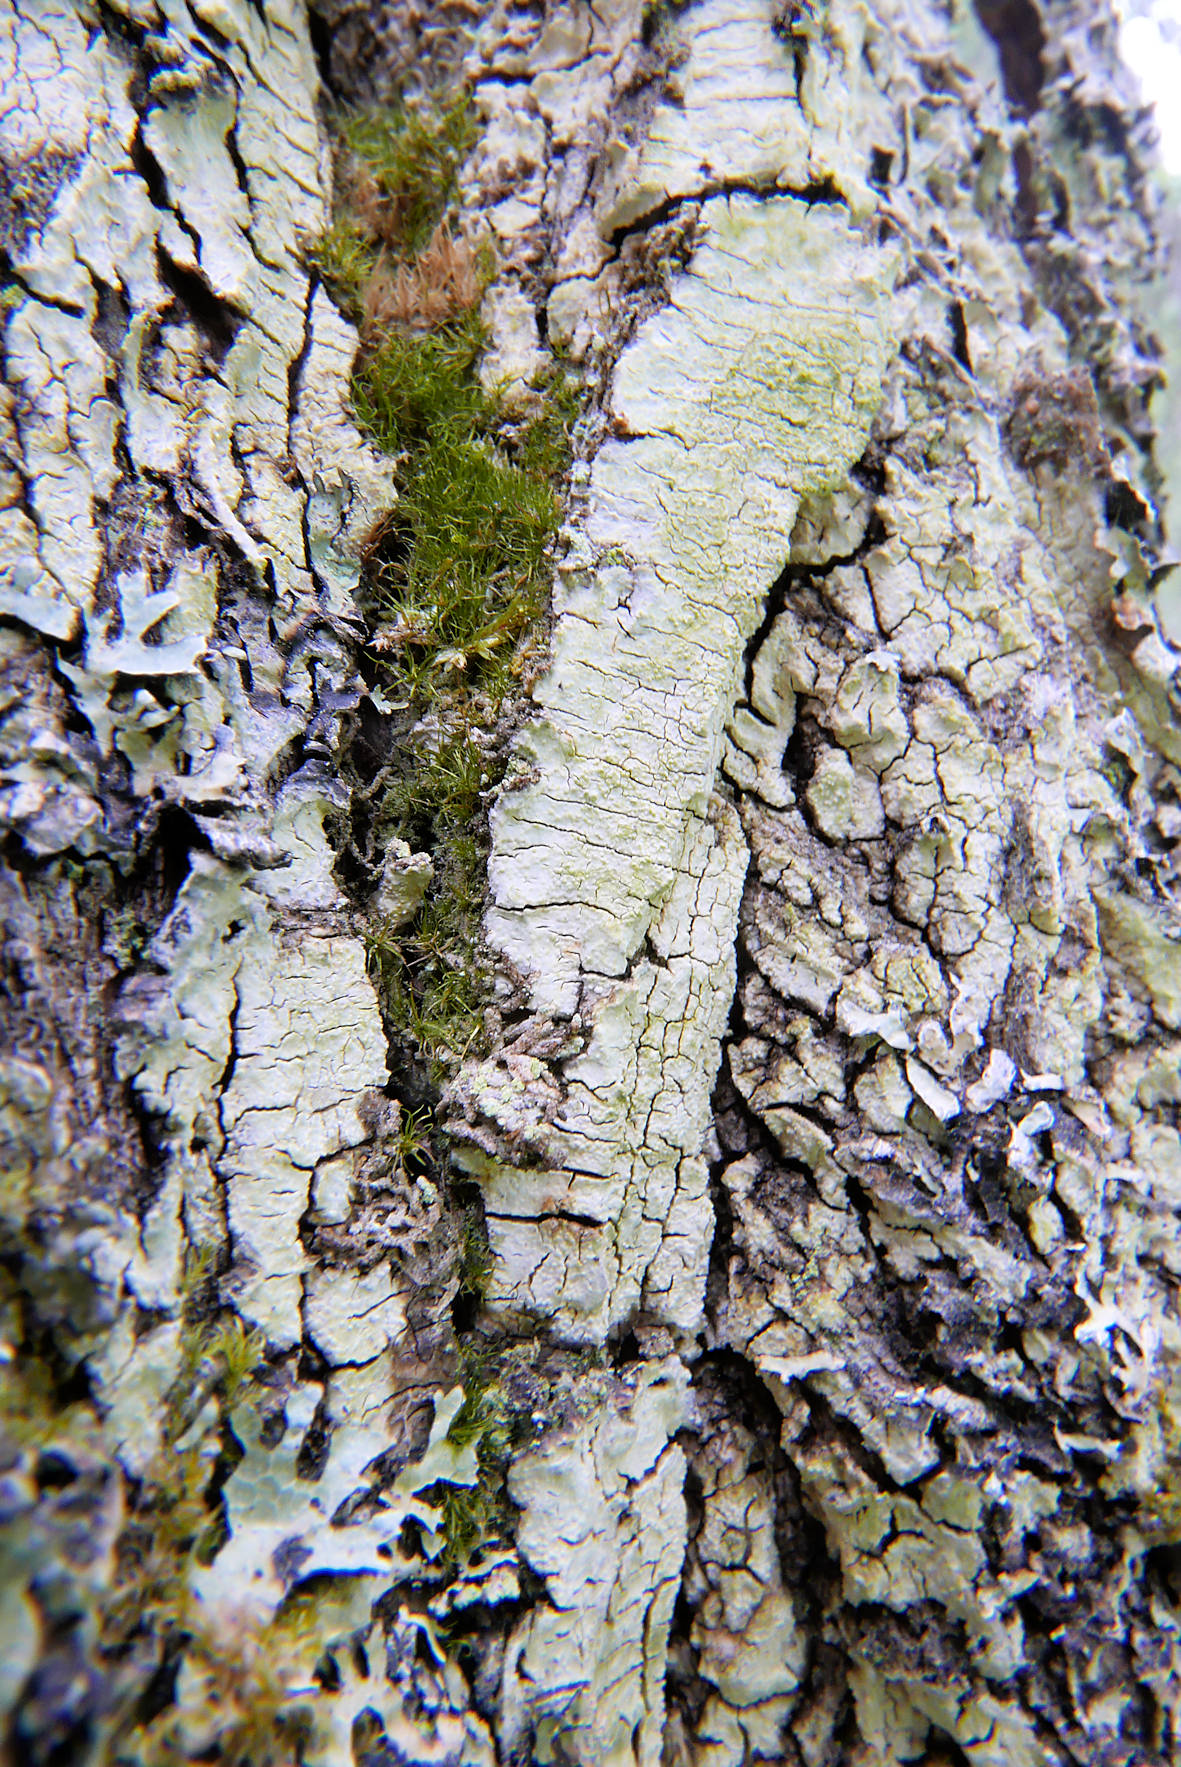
column 826, row 1133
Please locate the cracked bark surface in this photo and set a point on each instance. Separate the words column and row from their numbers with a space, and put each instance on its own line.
column 827, row 1141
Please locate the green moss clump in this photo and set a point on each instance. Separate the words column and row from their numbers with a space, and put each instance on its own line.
column 395, row 175
column 412, row 392
column 345, row 256
column 478, row 1516
column 459, row 580
column 475, row 1255
column 457, row 574
column 460, row 572
column 410, row 157
column 431, row 981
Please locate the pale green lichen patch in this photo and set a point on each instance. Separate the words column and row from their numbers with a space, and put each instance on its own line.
column 754, row 387
column 782, row 319
column 761, row 97
column 602, row 1525
column 957, row 988
column 746, row 1632
column 736, row 116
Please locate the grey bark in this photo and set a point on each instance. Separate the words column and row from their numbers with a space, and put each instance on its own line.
column 826, row 1144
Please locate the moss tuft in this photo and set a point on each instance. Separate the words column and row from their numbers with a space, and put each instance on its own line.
column 395, row 176
column 460, row 570
column 475, row 1254
column 416, row 393
column 402, row 161
column 432, row 981
column 456, row 577
column 458, row 582
column 478, row 1516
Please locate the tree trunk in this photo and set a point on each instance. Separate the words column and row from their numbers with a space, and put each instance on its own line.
column 819, row 1153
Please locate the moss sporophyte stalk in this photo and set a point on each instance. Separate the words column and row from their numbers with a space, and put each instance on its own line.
column 456, row 574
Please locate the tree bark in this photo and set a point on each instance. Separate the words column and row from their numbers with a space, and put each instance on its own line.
column 824, row 1138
